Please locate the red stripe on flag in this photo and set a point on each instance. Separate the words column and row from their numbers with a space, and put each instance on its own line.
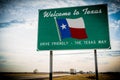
column 78, row 33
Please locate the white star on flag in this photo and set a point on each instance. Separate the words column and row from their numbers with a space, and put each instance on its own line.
column 63, row 26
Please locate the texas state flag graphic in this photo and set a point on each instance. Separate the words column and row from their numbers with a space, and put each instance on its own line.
column 72, row 28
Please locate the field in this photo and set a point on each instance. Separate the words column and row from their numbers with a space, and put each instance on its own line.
column 44, row 76
column 89, row 77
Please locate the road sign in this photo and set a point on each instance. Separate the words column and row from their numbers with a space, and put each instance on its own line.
column 83, row 27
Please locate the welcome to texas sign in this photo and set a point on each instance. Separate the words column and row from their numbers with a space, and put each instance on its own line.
column 84, row 27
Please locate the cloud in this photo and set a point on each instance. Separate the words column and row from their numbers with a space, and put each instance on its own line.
column 115, row 45
column 16, row 10
column 114, row 6
column 28, row 9
column 115, row 16
column 106, row 54
column 7, row 24
column 109, row 64
column 114, row 29
column 2, row 60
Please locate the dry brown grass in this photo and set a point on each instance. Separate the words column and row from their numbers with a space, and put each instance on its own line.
column 73, row 77
column 88, row 77
column 67, row 77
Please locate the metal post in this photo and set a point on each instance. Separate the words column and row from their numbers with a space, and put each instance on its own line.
column 96, row 66
column 51, row 65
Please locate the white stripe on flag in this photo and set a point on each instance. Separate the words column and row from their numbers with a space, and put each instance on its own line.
column 76, row 23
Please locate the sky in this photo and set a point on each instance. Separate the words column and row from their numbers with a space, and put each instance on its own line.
column 18, row 39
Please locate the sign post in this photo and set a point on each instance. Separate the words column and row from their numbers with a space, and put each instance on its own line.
column 96, row 65
column 51, row 65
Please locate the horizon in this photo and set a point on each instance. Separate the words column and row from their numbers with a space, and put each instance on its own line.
column 18, row 39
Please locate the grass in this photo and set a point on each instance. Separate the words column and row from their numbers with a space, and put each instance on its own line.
column 17, row 76
column 67, row 77
column 72, row 77
column 89, row 77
